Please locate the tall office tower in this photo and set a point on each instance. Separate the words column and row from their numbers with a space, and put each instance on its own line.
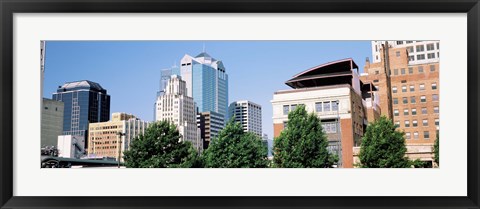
column 112, row 138
column 52, row 122
column 409, row 75
column 335, row 94
column 178, row 108
column 84, row 102
column 248, row 114
column 209, row 124
column 206, row 81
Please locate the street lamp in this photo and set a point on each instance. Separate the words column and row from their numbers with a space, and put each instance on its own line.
column 119, row 139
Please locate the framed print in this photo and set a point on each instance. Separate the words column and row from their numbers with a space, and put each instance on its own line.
column 265, row 104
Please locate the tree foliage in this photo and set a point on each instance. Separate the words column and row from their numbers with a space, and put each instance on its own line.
column 303, row 144
column 160, row 147
column 383, row 146
column 436, row 150
column 234, row 148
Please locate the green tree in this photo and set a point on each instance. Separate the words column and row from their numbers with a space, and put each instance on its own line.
column 160, row 147
column 303, row 143
column 436, row 149
column 383, row 146
column 234, row 148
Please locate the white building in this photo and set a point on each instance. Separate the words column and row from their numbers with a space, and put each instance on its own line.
column 175, row 106
column 70, row 146
column 419, row 52
column 248, row 114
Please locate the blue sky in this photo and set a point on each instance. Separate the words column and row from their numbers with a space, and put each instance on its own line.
column 130, row 70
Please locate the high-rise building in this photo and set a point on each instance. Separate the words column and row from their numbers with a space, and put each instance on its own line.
column 112, row 138
column 178, row 108
column 209, row 124
column 409, row 91
column 206, row 81
column 52, row 122
column 84, row 102
column 334, row 92
column 248, row 114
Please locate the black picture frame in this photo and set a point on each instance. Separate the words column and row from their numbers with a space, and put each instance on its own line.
column 10, row 7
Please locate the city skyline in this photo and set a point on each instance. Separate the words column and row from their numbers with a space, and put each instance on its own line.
column 130, row 70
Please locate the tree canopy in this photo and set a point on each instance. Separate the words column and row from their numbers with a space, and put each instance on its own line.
column 303, row 143
column 383, row 146
column 160, row 147
column 234, row 148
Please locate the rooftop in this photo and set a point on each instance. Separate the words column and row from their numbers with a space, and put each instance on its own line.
column 84, row 84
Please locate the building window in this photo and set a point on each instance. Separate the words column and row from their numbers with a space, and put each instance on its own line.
column 431, row 55
column 397, row 53
column 399, row 42
column 435, row 97
column 407, row 123
column 376, row 48
column 318, row 106
column 434, row 86
column 326, row 106
column 285, row 123
column 420, row 69
column 438, row 45
column 405, row 112
column 412, row 100
column 410, row 49
column 420, row 56
column 415, row 135
column 424, row 110
column 405, row 100
column 436, row 110
column 395, row 112
column 420, row 48
column 430, row 47
column 375, row 81
column 412, row 88
column 395, row 100
column 286, row 109
column 293, row 107
column 437, row 122
column 376, row 72
column 394, row 89
column 432, row 68
column 410, row 70
column 414, row 111
column 407, row 135
column 411, row 58
column 334, row 106
column 397, row 124
column 422, row 87
column 423, row 99
column 395, row 71
column 414, row 123
column 425, row 122
column 404, row 88
column 409, row 42
column 426, row 135
column 402, row 71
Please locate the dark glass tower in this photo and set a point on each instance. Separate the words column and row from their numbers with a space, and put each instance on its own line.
column 85, row 102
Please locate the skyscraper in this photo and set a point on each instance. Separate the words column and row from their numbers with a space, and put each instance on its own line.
column 178, row 108
column 206, row 81
column 84, row 102
column 209, row 124
column 248, row 114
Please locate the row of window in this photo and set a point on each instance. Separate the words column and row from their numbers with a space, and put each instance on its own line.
column 426, row 135
column 413, row 100
column 414, row 111
column 415, row 123
column 412, row 87
column 319, row 107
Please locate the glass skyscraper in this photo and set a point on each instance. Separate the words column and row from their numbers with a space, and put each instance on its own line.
column 206, row 82
column 84, row 102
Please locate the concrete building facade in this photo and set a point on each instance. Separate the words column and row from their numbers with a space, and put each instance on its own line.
column 335, row 94
column 52, row 122
column 104, row 138
column 209, row 125
column 248, row 114
column 178, row 108
column 410, row 91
